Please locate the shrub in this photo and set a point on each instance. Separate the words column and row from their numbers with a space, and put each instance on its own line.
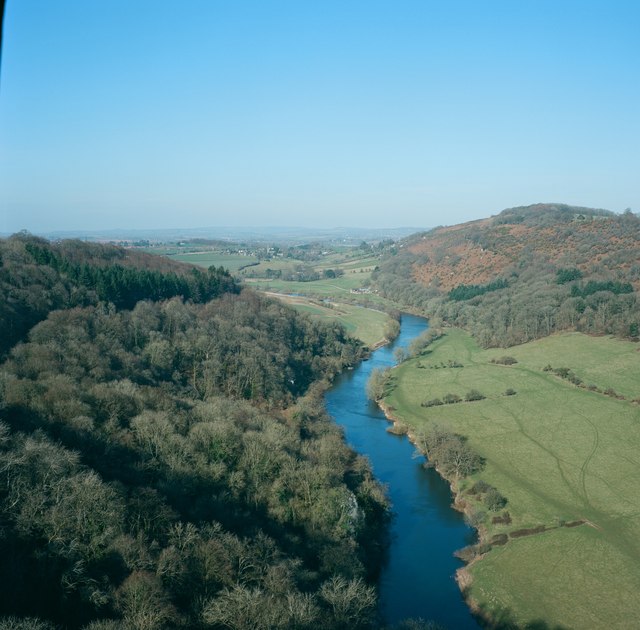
column 434, row 402
column 510, row 392
column 518, row 533
column 398, row 428
column 499, row 539
column 494, row 500
column 378, row 383
column 479, row 487
column 506, row 360
column 503, row 519
column 574, row 523
column 474, row 394
column 450, row 399
column 574, row 378
column 568, row 275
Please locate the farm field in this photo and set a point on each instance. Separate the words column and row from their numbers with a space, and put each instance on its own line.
column 363, row 323
column 346, row 262
column 559, row 454
column 275, row 264
column 334, row 288
column 232, row 262
column 326, row 286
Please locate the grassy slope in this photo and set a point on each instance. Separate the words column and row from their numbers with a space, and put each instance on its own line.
column 329, row 285
column 357, row 271
column 556, row 452
column 363, row 323
column 232, row 262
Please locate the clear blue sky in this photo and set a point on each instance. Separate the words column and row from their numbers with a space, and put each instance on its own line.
column 138, row 113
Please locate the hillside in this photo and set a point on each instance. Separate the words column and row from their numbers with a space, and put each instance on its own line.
column 37, row 277
column 524, row 273
column 165, row 458
column 554, row 426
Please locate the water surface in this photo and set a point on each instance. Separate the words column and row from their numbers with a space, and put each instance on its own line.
column 417, row 579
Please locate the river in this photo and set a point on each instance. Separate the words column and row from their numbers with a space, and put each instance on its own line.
column 417, row 579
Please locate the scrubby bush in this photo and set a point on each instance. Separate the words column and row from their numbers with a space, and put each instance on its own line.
column 510, row 392
column 479, row 487
column 474, row 394
column 434, row 402
column 503, row 519
column 450, row 399
column 494, row 500
column 505, row 360
column 449, row 452
column 378, row 383
column 499, row 539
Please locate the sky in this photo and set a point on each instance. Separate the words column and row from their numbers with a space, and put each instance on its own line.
column 160, row 114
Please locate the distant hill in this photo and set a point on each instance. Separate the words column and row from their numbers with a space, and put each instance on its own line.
column 524, row 273
column 269, row 234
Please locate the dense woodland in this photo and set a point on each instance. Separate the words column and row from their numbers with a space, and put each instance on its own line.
column 165, row 460
column 37, row 277
column 524, row 274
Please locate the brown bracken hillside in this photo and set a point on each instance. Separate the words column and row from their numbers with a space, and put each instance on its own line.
column 480, row 251
column 524, row 273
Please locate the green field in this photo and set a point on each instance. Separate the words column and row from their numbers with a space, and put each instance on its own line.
column 275, row 264
column 349, row 263
column 232, row 262
column 328, row 286
column 363, row 323
column 558, row 453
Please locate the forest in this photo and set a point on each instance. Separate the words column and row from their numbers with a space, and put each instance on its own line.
column 165, row 458
column 523, row 274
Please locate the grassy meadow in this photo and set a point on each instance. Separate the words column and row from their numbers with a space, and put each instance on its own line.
column 363, row 323
column 232, row 262
column 558, row 453
column 330, row 287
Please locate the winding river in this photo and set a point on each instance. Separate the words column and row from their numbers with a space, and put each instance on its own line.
column 417, row 579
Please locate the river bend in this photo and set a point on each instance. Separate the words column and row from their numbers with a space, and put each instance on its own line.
column 417, row 579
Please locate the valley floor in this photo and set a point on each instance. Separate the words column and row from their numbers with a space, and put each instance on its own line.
column 560, row 454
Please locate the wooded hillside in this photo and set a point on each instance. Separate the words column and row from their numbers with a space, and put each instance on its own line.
column 524, row 273
column 167, row 463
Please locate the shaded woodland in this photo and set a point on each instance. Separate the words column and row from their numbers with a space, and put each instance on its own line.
column 165, row 458
column 523, row 274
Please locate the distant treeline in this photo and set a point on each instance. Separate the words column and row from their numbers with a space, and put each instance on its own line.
column 125, row 286
column 593, row 286
column 466, row 292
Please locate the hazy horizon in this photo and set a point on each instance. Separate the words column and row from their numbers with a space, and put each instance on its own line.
column 156, row 114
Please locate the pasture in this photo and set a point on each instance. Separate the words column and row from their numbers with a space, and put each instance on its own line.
column 363, row 323
column 559, row 453
column 232, row 262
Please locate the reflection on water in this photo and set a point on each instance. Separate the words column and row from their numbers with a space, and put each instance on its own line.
column 417, row 579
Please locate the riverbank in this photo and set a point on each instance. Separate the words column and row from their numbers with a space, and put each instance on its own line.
column 552, row 449
column 366, row 324
column 417, row 578
column 463, row 577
